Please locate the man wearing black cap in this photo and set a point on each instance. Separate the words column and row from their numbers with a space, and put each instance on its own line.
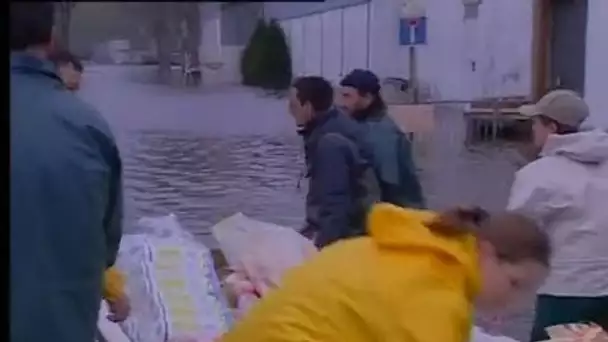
column 395, row 169
column 342, row 184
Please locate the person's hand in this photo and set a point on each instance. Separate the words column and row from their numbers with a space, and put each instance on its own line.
column 119, row 309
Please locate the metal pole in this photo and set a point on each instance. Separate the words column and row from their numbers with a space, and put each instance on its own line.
column 413, row 65
column 413, row 73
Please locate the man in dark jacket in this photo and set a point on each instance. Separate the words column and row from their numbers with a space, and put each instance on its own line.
column 392, row 152
column 65, row 202
column 337, row 162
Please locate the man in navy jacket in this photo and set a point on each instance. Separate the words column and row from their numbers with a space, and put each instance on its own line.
column 341, row 184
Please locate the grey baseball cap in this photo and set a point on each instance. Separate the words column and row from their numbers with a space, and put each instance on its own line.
column 563, row 106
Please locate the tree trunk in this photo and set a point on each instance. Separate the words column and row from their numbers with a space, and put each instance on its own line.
column 162, row 36
column 189, row 16
column 193, row 25
column 64, row 17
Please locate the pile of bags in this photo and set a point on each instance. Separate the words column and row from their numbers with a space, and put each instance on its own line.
column 174, row 291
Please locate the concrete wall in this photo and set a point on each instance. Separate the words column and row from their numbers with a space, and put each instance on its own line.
column 329, row 43
column 483, row 56
column 596, row 64
column 290, row 10
column 490, row 55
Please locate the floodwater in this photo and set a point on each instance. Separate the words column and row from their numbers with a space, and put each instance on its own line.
column 207, row 154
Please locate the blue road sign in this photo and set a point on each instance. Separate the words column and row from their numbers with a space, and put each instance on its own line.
column 417, row 37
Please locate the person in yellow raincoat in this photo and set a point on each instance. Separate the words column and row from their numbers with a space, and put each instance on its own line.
column 416, row 277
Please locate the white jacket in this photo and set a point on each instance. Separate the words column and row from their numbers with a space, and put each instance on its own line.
column 566, row 192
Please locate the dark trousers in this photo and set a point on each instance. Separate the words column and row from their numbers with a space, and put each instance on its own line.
column 554, row 310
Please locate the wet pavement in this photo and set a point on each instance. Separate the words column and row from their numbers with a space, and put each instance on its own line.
column 207, row 154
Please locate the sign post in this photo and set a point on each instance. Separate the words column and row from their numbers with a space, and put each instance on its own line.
column 413, row 63
column 414, row 14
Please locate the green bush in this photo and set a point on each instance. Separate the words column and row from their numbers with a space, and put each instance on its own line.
column 266, row 61
column 277, row 59
column 252, row 55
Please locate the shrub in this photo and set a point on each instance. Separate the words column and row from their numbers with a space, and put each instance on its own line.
column 252, row 55
column 277, row 59
column 266, row 61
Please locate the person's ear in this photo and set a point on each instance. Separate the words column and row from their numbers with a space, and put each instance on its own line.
column 553, row 127
column 310, row 112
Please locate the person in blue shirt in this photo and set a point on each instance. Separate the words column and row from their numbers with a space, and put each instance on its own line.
column 65, row 192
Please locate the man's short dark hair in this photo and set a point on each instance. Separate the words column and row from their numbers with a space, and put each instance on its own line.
column 63, row 57
column 31, row 24
column 316, row 90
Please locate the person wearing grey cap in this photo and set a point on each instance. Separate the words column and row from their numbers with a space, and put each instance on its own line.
column 392, row 152
column 566, row 191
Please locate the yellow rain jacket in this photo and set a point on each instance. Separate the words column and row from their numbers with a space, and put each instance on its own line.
column 113, row 284
column 402, row 283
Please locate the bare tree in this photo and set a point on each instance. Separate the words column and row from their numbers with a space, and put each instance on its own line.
column 160, row 20
column 63, row 13
column 161, row 28
column 191, row 16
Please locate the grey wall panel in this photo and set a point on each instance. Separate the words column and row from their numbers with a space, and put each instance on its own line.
column 288, row 10
column 355, row 38
column 312, row 39
column 332, row 45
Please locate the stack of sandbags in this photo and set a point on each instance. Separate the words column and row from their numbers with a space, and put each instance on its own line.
column 172, row 285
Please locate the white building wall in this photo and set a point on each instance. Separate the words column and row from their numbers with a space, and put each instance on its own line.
column 329, row 43
column 463, row 59
column 596, row 64
column 332, row 45
column 488, row 56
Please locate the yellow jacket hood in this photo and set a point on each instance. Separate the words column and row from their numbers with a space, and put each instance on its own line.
column 401, row 230
column 400, row 283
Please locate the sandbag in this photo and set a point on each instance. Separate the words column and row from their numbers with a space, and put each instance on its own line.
column 270, row 246
column 172, row 285
column 479, row 335
column 259, row 253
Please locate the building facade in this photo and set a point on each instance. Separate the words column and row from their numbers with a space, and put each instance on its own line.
column 474, row 48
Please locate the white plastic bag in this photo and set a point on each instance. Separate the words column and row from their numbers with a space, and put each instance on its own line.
column 172, row 285
column 479, row 335
column 260, row 253
column 241, row 238
column 164, row 227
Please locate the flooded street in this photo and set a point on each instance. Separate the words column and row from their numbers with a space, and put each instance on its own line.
column 207, row 154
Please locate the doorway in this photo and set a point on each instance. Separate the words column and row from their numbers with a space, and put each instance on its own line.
column 560, row 44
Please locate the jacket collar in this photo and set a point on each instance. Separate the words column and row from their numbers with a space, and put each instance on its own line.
column 373, row 112
column 317, row 122
column 24, row 62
